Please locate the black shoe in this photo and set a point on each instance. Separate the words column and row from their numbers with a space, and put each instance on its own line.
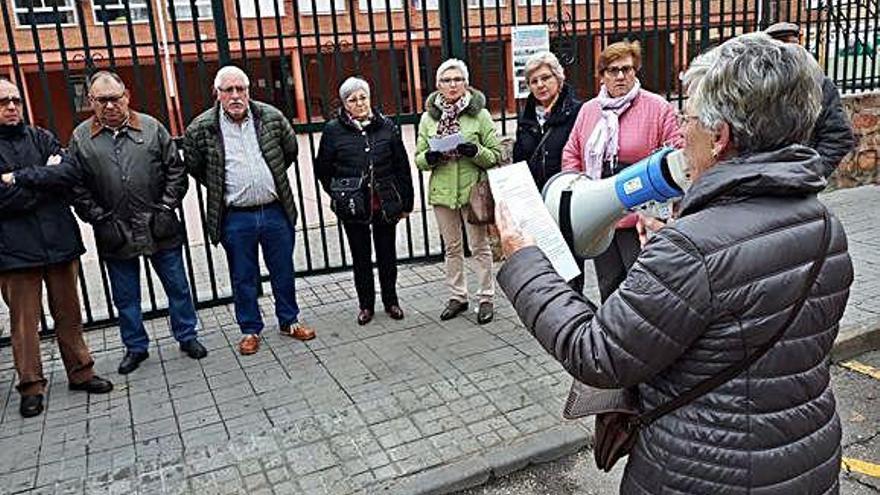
column 31, row 405
column 131, row 361
column 96, row 385
column 194, row 349
column 394, row 312
column 486, row 313
column 365, row 316
column 453, row 309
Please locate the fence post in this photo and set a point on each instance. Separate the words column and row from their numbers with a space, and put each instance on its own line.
column 704, row 24
column 452, row 29
column 219, row 13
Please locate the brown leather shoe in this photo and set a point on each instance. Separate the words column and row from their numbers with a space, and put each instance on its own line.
column 249, row 344
column 298, row 331
column 365, row 316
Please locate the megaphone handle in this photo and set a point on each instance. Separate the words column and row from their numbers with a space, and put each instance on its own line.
column 565, row 218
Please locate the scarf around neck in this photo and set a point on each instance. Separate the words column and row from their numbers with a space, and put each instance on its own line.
column 449, row 113
column 603, row 143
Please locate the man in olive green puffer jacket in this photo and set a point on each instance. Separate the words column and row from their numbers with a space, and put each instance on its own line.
column 241, row 150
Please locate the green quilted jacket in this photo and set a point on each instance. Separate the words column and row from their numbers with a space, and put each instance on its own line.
column 203, row 153
column 451, row 181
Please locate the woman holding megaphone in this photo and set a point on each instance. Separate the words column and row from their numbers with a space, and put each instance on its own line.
column 725, row 323
column 617, row 128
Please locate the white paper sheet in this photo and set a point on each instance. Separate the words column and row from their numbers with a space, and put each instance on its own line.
column 514, row 185
column 446, row 143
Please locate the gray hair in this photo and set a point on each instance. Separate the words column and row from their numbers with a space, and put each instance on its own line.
column 768, row 92
column 230, row 70
column 545, row 59
column 453, row 63
column 104, row 74
column 351, row 85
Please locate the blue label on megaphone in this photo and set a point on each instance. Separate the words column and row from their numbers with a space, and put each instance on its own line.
column 644, row 181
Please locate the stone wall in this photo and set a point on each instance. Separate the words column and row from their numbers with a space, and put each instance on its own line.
column 861, row 166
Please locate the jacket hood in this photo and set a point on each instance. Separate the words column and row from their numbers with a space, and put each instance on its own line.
column 477, row 103
column 566, row 104
column 788, row 171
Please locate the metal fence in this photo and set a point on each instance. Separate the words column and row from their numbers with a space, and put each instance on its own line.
column 298, row 51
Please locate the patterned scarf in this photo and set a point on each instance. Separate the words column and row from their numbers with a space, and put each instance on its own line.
column 449, row 123
column 603, row 145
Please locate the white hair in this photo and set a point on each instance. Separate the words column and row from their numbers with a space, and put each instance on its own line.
column 230, row 70
column 545, row 59
column 351, row 85
column 453, row 63
column 768, row 92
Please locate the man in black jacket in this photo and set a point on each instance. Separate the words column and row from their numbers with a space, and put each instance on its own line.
column 39, row 242
column 132, row 181
column 833, row 135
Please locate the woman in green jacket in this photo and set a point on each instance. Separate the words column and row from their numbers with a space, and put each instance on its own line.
column 458, row 109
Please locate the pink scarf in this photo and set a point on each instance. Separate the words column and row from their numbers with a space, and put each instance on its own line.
column 602, row 145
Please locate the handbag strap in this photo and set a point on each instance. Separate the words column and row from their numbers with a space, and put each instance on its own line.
column 735, row 369
column 540, row 143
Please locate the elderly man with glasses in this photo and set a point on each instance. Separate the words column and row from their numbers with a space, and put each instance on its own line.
column 39, row 243
column 131, row 180
column 240, row 150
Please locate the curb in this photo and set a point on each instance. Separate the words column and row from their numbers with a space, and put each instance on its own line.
column 567, row 439
column 548, row 445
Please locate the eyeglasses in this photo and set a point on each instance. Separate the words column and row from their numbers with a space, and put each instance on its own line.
column 108, row 99
column 684, row 118
column 357, row 99
column 616, row 71
column 542, row 79
column 233, row 89
column 6, row 100
column 451, row 80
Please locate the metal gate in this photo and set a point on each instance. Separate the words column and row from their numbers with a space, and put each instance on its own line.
column 297, row 52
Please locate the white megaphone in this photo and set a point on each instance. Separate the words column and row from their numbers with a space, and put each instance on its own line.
column 587, row 210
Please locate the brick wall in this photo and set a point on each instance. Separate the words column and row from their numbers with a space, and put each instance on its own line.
column 861, row 166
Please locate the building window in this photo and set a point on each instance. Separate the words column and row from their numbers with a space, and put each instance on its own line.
column 321, row 6
column 550, row 3
column 248, row 8
column 80, row 93
column 114, row 10
column 44, row 12
column 488, row 4
column 183, row 9
column 379, row 5
column 426, row 4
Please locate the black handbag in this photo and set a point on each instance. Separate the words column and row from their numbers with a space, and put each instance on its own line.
column 617, row 430
column 349, row 199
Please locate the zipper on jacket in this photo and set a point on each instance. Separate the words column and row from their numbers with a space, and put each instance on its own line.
column 368, row 148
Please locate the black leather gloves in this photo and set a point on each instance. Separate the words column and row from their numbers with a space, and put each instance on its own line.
column 467, row 149
column 433, row 157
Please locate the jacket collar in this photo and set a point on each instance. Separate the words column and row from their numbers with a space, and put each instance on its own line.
column 134, row 122
column 477, row 103
column 345, row 119
column 787, row 171
column 255, row 111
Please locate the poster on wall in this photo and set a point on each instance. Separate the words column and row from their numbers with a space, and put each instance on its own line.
column 525, row 41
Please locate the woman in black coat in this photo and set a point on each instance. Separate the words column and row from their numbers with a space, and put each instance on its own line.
column 363, row 166
column 545, row 123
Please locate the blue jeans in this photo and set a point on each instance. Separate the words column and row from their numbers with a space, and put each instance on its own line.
column 269, row 229
column 125, row 282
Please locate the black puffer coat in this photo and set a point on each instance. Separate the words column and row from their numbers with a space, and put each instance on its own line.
column 348, row 152
column 37, row 228
column 833, row 135
column 547, row 162
column 704, row 293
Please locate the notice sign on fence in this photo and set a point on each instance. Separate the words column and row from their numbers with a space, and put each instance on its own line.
column 525, row 41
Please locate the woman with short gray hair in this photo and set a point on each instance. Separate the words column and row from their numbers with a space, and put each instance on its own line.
column 364, row 168
column 733, row 308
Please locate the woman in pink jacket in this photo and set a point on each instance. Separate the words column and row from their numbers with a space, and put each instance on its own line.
column 617, row 128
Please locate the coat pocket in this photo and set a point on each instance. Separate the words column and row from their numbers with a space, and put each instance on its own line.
column 389, row 198
column 164, row 224
column 109, row 235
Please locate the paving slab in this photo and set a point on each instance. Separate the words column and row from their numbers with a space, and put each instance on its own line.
column 394, row 407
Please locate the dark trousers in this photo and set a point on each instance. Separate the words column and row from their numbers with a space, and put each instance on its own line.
column 23, row 293
column 244, row 232
column 125, row 283
column 613, row 265
column 384, row 237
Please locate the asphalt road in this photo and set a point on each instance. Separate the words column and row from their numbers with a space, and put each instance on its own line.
column 858, row 396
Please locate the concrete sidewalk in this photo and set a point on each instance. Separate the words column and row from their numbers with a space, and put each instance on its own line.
column 415, row 406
